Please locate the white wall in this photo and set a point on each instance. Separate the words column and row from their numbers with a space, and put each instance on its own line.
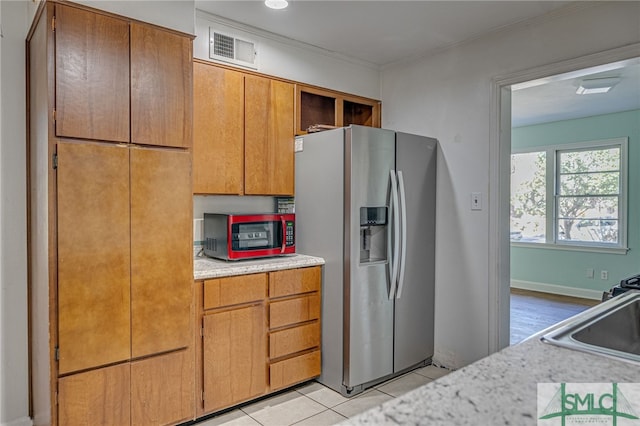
column 174, row 14
column 15, row 18
column 448, row 96
column 14, row 389
column 291, row 60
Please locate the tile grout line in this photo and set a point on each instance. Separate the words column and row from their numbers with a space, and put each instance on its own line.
column 301, row 420
column 251, row 417
column 328, row 408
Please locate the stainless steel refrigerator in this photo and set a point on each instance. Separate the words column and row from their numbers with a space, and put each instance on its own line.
column 365, row 202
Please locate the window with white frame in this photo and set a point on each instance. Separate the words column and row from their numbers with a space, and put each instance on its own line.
column 572, row 195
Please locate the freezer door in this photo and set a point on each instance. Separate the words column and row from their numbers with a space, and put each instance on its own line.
column 368, row 332
column 414, row 309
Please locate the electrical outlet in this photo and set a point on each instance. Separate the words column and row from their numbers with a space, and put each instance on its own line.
column 590, row 273
column 604, row 275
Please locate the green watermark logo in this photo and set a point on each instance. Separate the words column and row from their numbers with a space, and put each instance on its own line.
column 588, row 403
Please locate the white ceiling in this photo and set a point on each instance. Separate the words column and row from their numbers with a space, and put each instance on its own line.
column 385, row 32
column 555, row 98
column 380, row 32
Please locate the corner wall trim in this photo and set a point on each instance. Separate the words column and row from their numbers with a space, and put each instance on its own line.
column 582, row 293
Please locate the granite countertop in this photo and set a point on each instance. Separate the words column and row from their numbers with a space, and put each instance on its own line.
column 500, row 389
column 205, row 267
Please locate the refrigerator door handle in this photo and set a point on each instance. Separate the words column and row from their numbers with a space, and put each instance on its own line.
column 403, row 250
column 394, row 255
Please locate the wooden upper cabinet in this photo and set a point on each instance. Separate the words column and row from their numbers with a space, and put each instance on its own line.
column 269, row 132
column 93, row 255
column 323, row 107
column 218, row 130
column 92, row 75
column 161, row 250
column 161, row 87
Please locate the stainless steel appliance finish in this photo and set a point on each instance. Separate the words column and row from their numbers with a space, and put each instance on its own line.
column 365, row 202
column 611, row 328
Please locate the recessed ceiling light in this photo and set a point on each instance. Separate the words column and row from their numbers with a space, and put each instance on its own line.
column 597, row 85
column 276, row 4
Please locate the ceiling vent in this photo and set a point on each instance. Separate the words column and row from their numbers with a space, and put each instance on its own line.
column 227, row 48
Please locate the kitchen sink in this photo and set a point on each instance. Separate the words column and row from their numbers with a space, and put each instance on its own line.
column 611, row 328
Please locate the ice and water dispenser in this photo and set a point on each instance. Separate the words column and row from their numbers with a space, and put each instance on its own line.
column 373, row 234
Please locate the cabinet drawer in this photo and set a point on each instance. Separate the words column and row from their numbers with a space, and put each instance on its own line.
column 292, row 311
column 294, row 370
column 292, row 340
column 294, row 281
column 234, row 290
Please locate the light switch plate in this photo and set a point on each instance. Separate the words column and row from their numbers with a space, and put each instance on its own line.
column 299, row 145
column 476, row 201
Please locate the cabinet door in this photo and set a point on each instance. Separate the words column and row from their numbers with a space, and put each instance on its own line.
column 93, row 255
column 161, row 87
column 161, row 250
column 268, row 137
column 218, row 130
column 235, row 366
column 162, row 389
column 92, row 75
column 99, row 397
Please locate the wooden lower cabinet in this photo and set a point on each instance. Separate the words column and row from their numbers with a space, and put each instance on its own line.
column 98, row 397
column 292, row 311
column 260, row 333
column 234, row 348
column 294, row 281
column 162, row 389
column 153, row 391
column 235, row 290
column 294, row 370
column 292, row 340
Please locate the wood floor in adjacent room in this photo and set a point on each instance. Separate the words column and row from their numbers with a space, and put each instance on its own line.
column 533, row 311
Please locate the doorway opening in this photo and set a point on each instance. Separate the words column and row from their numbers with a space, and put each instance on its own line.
column 503, row 267
column 569, row 190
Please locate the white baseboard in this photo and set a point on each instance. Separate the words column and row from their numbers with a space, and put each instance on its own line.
column 557, row 289
column 22, row 421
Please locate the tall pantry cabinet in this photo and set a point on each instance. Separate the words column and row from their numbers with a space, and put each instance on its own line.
column 110, row 210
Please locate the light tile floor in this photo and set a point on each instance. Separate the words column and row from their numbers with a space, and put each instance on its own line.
column 312, row 404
